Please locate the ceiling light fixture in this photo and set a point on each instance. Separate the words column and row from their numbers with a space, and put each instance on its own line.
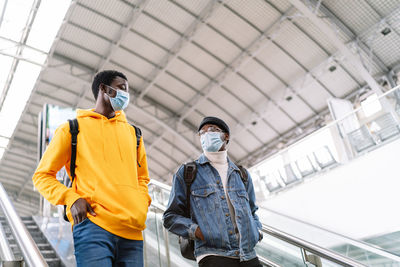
column 386, row 31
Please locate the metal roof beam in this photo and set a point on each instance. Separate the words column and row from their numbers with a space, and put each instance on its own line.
column 244, row 57
column 3, row 12
column 177, row 47
column 124, row 31
column 24, row 38
column 340, row 45
column 345, row 29
column 145, row 113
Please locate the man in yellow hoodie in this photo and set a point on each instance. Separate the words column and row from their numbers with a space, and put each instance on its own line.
column 108, row 201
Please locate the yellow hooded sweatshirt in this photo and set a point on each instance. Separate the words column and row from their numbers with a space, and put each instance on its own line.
column 107, row 173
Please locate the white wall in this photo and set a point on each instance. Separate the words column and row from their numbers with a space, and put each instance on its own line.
column 360, row 199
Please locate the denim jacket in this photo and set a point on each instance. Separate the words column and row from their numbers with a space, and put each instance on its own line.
column 209, row 210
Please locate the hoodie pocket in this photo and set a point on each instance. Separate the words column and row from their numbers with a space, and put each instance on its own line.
column 123, row 204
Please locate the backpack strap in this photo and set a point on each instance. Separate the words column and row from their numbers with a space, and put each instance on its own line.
column 138, row 133
column 74, row 130
column 243, row 174
column 189, row 174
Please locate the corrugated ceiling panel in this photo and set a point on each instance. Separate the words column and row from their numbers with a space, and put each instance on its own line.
column 155, row 167
column 166, row 161
column 384, row 7
column 209, row 109
column 176, row 87
column 117, row 10
column 144, row 47
column 296, row 108
column 170, row 14
column 244, row 90
column 263, row 79
column 92, row 42
column 166, row 98
column 299, row 46
column 385, row 46
column 133, row 79
column 86, row 104
column 156, row 31
column 77, row 54
column 281, row 64
column 188, row 74
column 282, row 5
column 229, row 102
column 29, row 137
column 68, row 96
column 314, row 94
column 235, row 150
column 233, row 27
column 132, row 62
column 88, row 19
column 278, row 119
column 247, row 140
column 201, row 60
column 172, row 150
column 172, row 138
column 263, row 131
column 257, row 12
column 154, row 110
column 316, row 34
column 338, row 81
column 195, row 118
column 193, row 6
column 216, row 44
column 357, row 15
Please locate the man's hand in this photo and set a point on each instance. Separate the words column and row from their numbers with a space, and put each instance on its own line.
column 199, row 234
column 79, row 210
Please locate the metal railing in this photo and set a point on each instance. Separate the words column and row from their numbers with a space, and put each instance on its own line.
column 30, row 251
column 309, row 251
column 353, row 134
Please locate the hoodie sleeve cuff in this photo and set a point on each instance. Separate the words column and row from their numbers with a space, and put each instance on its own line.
column 71, row 197
column 192, row 231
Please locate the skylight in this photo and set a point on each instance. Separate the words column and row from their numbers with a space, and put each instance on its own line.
column 28, row 58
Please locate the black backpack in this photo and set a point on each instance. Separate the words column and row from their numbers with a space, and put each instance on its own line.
column 74, row 130
column 189, row 174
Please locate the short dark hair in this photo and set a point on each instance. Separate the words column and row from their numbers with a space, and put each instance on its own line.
column 106, row 77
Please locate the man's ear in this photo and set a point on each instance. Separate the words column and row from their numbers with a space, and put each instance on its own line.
column 226, row 138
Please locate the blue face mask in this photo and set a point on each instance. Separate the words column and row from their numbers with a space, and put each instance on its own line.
column 120, row 101
column 211, row 141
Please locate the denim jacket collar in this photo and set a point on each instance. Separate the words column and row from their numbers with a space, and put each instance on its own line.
column 203, row 160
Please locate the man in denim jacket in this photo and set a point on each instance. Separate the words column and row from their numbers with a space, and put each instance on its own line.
column 223, row 220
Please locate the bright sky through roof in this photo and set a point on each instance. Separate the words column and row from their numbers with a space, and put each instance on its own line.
column 33, row 54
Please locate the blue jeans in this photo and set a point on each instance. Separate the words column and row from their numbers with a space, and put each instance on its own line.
column 97, row 247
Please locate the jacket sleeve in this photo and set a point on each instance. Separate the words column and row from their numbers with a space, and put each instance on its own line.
column 174, row 219
column 142, row 169
column 57, row 155
column 252, row 200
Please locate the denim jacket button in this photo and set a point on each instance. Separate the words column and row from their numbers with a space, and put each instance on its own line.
column 226, row 214
column 222, row 197
column 237, row 252
column 230, row 232
column 218, row 182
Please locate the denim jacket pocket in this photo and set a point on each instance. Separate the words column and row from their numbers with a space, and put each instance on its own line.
column 205, row 198
column 243, row 194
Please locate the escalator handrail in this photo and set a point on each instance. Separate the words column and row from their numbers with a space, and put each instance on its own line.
column 357, row 243
column 310, row 247
column 29, row 249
